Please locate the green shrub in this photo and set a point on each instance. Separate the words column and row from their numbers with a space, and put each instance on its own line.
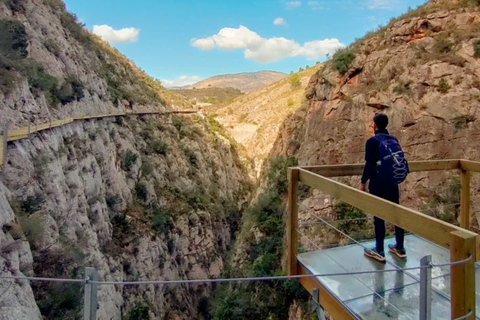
column 61, row 301
column 444, row 203
column 290, row 102
column 344, row 211
column 159, row 147
column 295, row 81
column 162, row 220
column 14, row 5
column 139, row 312
column 442, row 44
column 120, row 224
column 192, row 157
column 32, row 227
column 443, row 86
column 112, row 200
column 13, row 39
column 403, row 87
column 454, row 59
column 55, row 4
column 177, row 122
column 460, row 122
column 277, row 173
column 70, row 90
column 129, row 159
column 7, row 79
column 41, row 81
column 38, row 78
column 142, row 191
column 147, row 168
column 52, row 46
column 476, row 49
column 71, row 23
column 342, row 60
column 263, row 300
column 33, row 203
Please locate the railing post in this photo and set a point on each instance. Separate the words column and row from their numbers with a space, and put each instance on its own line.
column 292, row 222
column 90, row 301
column 465, row 199
column 462, row 276
column 426, row 288
column 4, row 145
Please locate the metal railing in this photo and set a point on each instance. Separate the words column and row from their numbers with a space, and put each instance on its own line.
column 462, row 243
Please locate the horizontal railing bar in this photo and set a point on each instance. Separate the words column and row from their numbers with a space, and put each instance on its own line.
column 356, row 169
column 428, row 227
column 470, row 165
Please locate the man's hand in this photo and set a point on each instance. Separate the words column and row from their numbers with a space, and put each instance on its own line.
column 363, row 187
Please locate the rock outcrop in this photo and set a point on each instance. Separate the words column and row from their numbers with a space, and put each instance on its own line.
column 422, row 70
column 138, row 198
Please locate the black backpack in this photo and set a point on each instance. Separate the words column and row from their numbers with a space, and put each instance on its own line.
column 392, row 167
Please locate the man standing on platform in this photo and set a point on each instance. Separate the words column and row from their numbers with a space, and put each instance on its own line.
column 385, row 167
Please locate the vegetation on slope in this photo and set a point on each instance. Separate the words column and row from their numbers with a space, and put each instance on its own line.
column 262, row 300
column 112, row 67
column 209, row 95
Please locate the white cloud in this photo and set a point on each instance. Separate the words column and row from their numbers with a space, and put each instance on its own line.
column 293, row 4
column 266, row 50
column 112, row 36
column 180, row 81
column 204, row 44
column 315, row 5
column 382, row 4
column 279, row 22
column 229, row 39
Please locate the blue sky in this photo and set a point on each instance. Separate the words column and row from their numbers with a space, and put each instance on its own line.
column 183, row 41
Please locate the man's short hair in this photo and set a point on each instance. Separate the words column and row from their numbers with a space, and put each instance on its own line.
column 381, row 120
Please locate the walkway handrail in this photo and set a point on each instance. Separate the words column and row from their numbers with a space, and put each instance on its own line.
column 438, row 231
column 461, row 242
column 24, row 132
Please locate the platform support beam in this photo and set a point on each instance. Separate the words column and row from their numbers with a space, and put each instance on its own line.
column 462, row 279
column 318, row 307
column 465, row 199
column 90, row 296
column 292, row 222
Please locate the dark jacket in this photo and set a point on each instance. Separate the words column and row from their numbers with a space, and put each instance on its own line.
column 386, row 191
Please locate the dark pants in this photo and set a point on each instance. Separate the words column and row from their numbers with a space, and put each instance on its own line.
column 391, row 193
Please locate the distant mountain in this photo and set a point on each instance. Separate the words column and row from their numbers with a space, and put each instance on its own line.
column 253, row 119
column 245, row 82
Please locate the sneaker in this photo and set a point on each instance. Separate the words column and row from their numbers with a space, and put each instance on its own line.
column 402, row 254
column 372, row 253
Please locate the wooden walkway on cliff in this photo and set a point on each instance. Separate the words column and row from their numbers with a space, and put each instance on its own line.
column 350, row 286
column 25, row 132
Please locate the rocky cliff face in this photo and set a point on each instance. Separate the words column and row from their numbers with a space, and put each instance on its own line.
column 422, row 70
column 138, row 198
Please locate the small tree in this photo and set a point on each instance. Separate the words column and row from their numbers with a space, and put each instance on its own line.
column 295, row 81
column 342, row 60
column 443, row 44
column 476, row 49
column 443, row 86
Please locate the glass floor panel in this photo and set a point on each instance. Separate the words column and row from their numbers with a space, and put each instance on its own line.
column 400, row 303
column 442, row 284
column 389, row 295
